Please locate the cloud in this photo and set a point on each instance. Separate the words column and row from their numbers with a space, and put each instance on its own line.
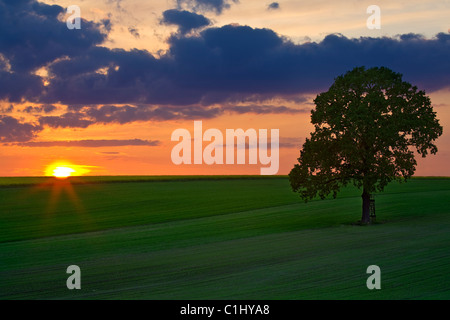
column 134, row 32
column 219, row 65
column 31, row 109
column 127, row 113
column 273, row 6
column 19, row 86
column 11, row 130
column 32, row 35
column 250, row 61
column 4, row 64
column 266, row 109
column 90, row 115
column 48, row 108
column 216, row 6
column 106, row 24
column 67, row 120
column 92, row 143
column 232, row 63
column 185, row 20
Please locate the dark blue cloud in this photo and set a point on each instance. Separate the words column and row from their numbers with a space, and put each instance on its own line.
column 240, row 60
column 90, row 115
column 232, row 63
column 18, row 86
column 134, row 32
column 12, row 130
column 38, row 109
column 216, row 6
column 185, row 20
column 132, row 77
column 67, row 120
column 125, row 114
column 32, row 36
column 227, row 64
column 273, row 6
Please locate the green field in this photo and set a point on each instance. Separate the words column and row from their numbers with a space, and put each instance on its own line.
column 219, row 238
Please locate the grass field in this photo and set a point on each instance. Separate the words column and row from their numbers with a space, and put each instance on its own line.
column 219, row 238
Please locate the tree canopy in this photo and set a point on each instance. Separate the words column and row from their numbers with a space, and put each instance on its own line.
column 366, row 129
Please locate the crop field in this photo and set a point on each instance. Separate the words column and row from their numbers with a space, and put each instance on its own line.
column 223, row 237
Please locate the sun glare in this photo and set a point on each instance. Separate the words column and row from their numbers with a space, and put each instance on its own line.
column 63, row 172
column 65, row 169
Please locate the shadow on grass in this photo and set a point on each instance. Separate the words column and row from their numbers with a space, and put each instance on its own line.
column 365, row 224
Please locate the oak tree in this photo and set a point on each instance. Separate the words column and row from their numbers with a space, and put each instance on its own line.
column 366, row 129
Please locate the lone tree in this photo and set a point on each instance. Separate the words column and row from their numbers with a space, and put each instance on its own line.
column 367, row 126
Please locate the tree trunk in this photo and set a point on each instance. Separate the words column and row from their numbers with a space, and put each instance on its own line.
column 365, row 207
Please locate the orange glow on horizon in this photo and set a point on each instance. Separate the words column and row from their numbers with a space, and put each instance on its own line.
column 64, row 170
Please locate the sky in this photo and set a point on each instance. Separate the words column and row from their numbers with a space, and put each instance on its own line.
column 107, row 97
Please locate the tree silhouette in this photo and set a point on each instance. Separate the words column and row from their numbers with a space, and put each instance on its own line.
column 367, row 126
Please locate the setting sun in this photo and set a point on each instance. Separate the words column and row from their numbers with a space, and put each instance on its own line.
column 63, row 172
column 64, row 169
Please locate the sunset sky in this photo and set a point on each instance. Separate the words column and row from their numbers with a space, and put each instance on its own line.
column 107, row 97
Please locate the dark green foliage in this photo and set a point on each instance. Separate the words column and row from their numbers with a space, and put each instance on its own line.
column 367, row 126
